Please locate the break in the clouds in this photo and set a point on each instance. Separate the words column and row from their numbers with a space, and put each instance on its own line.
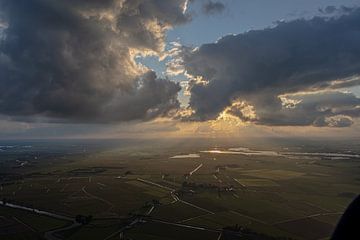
column 212, row 7
column 290, row 74
column 76, row 59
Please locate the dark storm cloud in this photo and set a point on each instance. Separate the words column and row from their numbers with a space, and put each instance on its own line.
column 329, row 108
column 258, row 66
column 213, row 7
column 74, row 59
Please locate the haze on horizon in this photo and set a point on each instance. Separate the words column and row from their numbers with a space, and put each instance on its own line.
column 179, row 69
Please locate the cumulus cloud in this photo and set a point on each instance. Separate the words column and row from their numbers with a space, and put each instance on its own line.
column 310, row 108
column 333, row 9
column 75, row 60
column 213, row 7
column 287, row 75
column 328, row 9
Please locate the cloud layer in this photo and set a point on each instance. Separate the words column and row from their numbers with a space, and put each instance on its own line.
column 75, row 60
column 288, row 75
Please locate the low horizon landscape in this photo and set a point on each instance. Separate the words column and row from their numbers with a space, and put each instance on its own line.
column 179, row 119
column 171, row 189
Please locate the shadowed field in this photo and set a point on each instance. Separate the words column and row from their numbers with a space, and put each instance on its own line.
column 147, row 194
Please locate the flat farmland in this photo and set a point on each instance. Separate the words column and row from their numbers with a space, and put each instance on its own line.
column 149, row 195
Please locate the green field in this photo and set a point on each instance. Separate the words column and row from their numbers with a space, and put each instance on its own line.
column 272, row 196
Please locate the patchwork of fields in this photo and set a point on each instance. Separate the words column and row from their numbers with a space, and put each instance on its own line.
column 150, row 195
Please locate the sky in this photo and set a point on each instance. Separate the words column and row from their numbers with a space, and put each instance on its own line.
column 179, row 68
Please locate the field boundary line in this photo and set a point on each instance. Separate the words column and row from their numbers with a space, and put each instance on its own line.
column 196, row 217
column 155, row 184
column 249, row 217
column 309, row 216
column 25, row 224
column 98, row 198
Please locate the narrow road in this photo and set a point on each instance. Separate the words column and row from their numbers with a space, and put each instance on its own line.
column 155, row 184
column 50, row 235
column 150, row 210
column 193, row 205
column 174, row 196
column 195, row 170
column 34, row 210
column 243, row 185
column 184, row 225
